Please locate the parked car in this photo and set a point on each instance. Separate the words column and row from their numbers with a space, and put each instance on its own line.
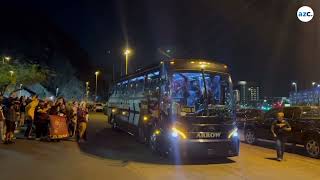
column 245, row 115
column 305, row 123
column 98, row 107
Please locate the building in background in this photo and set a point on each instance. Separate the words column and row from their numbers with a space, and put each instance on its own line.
column 250, row 93
column 306, row 97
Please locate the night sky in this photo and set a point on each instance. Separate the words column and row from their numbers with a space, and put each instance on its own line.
column 260, row 40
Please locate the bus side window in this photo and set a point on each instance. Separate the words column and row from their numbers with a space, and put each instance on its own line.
column 153, row 85
column 140, row 85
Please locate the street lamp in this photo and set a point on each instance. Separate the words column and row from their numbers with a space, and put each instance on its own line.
column 87, row 89
column 11, row 73
column 313, row 84
column 7, row 58
column 57, row 92
column 295, row 86
column 96, row 73
column 127, row 52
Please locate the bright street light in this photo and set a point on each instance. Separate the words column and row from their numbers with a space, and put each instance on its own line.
column 127, row 52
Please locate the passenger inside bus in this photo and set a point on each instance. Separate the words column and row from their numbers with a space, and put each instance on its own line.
column 188, row 89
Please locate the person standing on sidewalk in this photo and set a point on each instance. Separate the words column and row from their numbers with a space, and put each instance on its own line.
column 280, row 129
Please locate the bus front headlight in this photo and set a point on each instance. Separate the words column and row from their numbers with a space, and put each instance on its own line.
column 233, row 133
column 177, row 133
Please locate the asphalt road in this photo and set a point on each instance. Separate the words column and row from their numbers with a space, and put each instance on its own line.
column 116, row 155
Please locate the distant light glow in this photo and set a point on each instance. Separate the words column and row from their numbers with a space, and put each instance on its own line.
column 157, row 132
column 127, row 52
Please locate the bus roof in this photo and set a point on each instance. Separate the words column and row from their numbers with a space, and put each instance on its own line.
column 182, row 64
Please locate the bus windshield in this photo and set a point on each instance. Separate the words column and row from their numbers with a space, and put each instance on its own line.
column 199, row 91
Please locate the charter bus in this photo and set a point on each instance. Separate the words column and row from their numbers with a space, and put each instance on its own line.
column 180, row 107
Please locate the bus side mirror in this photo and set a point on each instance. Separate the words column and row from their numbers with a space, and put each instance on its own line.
column 236, row 95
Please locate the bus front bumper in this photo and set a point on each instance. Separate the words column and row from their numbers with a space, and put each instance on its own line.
column 206, row 147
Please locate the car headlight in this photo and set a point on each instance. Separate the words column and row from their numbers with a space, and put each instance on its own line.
column 178, row 133
column 233, row 133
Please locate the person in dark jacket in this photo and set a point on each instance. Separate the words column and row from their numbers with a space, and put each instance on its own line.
column 10, row 122
column 280, row 129
column 42, row 120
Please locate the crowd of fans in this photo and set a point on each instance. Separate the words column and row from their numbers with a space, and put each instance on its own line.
column 32, row 115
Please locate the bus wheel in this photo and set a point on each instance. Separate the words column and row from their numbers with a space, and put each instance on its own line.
column 250, row 136
column 313, row 147
column 153, row 143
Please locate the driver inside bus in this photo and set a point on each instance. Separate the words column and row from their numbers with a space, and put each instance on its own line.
column 216, row 89
column 194, row 93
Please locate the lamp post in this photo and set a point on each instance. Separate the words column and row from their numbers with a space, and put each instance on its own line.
column 127, row 53
column 87, row 90
column 96, row 73
column 313, row 84
column 11, row 76
column 57, row 91
column 295, row 86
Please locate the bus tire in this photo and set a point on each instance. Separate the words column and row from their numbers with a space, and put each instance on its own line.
column 154, row 144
